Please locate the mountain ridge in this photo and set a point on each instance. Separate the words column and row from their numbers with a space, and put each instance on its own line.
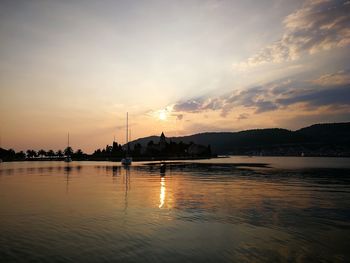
column 319, row 138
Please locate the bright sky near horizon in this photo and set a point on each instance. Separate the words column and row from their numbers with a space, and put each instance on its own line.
column 181, row 67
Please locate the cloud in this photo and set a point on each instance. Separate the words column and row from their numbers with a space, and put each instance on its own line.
column 339, row 96
column 339, row 78
column 188, row 106
column 243, row 116
column 318, row 25
column 278, row 95
column 179, row 116
column 264, row 105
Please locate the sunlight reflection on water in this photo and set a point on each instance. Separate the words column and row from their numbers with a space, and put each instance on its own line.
column 192, row 212
column 162, row 192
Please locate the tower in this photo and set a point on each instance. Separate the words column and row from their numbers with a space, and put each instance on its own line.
column 162, row 142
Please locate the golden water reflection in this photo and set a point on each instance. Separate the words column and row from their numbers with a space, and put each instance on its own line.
column 162, row 192
column 122, row 213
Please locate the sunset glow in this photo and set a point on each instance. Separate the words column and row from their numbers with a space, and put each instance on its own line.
column 174, row 131
column 162, row 115
column 79, row 66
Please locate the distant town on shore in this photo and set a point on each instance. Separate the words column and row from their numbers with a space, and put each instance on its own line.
column 330, row 139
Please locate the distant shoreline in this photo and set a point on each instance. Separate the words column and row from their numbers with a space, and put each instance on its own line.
column 167, row 159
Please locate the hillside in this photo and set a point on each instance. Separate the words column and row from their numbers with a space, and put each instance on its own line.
column 319, row 139
column 327, row 133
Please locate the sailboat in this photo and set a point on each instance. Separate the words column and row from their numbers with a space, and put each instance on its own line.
column 127, row 160
column 68, row 159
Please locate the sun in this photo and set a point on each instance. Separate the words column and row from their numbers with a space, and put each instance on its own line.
column 162, row 115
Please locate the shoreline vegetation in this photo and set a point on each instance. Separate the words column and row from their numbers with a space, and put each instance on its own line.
column 163, row 150
column 319, row 140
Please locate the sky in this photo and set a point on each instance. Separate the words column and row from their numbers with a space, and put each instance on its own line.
column 181, row 67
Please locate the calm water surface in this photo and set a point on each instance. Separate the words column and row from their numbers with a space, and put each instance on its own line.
column 220, row 210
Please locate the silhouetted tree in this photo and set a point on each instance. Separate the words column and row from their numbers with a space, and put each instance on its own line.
column 41, row 152
column 11, row 154
column 20, row 155
column 68, row 151
column 97, row 152
column 7, row 155
column 59, row 153
column 31, row 153
column 79, row 154
column 109, row 149
column 50, row 153
column 117, row 150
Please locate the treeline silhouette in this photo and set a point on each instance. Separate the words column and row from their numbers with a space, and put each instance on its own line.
column 162, row 150
column 115, row 152
column 330, row 139
column 12, row 155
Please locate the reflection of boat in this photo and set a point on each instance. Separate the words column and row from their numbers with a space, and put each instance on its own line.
column 127, row 160
column 68, row 159
column 67, row 169
column 162, row 169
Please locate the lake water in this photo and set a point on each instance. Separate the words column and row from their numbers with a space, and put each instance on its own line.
column 220, row 210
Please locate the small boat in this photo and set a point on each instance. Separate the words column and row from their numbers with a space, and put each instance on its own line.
column 127, row 160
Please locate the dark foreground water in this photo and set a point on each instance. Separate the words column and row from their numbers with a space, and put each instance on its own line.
column 296, row 209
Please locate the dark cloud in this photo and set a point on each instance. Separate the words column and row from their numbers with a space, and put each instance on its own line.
column 318, row 25
column 277, row 95
column 188, row 106
column 245, row 97
column 263, row 106
column 339, row 95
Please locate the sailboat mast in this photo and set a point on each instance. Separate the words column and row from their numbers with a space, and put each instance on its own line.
column 127, row 127
column 68, row 139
